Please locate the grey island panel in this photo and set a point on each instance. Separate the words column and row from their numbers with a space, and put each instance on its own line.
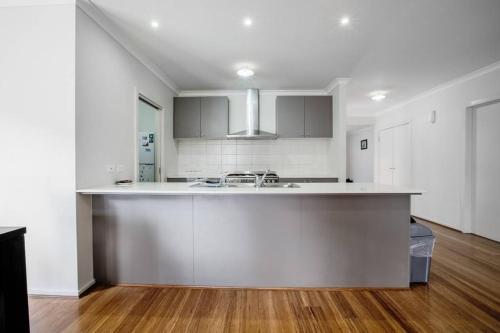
column 253, row 241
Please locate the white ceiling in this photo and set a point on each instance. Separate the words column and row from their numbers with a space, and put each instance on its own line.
column 403, row 47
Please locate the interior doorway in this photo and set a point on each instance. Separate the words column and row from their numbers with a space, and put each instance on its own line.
column 149, row 134
column 485, row 170
column 394, row 155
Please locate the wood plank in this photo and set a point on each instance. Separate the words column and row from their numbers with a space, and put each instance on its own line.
column 463, row 296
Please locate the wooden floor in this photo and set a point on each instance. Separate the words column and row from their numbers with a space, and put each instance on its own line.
column 463, row 296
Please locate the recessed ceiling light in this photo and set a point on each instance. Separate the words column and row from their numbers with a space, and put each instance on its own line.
column 345, row 20
column 247, row 21
column 378, row 97
column 155, row 24
column 245, row 72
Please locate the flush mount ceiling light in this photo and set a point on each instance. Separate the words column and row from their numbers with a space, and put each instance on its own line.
column 378, row 97
column 344, row 21
column 154, row 24
column 245, row 72
column 247, row 21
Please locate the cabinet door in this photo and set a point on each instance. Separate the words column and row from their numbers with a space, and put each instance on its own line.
column 187, row 117
column 318, row 116
column 214, row 117
column 290, row 116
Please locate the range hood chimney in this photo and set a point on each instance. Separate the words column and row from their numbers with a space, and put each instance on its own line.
column 252, row 130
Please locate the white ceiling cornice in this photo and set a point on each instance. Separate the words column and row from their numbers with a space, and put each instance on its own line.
column 449, row 84
column 335, row 83
column 107, row 25
column 27, row 3
column 298, row 92
column 199, row 93
column 263, row 92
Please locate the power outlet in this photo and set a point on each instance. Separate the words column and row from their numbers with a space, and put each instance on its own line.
column 120, row 168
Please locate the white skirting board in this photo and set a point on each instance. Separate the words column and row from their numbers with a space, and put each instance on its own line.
column 61, row 292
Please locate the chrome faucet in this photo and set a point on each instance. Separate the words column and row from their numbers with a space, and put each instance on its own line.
column 260, row 181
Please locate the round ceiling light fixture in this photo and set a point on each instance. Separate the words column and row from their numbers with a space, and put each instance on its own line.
column 378, row 97
column 344, row 21
column 245, row 72
column 247, row 21
column 155, row 24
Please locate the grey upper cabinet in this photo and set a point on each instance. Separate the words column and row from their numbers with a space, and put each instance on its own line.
column 214, row 117
column 196, row 117
column 304, row 116
column 290, row 116
column 318, row 117
column 187, row 117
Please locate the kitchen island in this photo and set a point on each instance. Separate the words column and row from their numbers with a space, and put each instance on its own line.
column 314, row 235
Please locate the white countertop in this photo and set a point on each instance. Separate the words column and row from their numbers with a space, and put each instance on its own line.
column 304, row 188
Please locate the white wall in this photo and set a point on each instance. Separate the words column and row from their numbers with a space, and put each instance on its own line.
column 108, row 79
column 37, row 140
column 360, row 162
column 438, row 150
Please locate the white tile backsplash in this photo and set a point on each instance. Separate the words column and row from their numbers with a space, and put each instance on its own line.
column 228, row 149
column 289, row 157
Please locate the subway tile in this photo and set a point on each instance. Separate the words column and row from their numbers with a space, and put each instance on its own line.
column 228, row 149
column 289, row 157
column 261, row 159
column 214, row 149
column 228, row 159
column 241, row 142
column 261, row 167
column 213, row 159
column 262, row 149
column 183, row 159
column 244, row 149
column 244, row 167
column 198, row 149
column 243, row 159
column 228, row 168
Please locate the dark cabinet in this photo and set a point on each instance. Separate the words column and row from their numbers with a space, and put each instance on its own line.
column 304, row 116
column 290, row 116
column 196, row 117
column 214, row 117
column 187, row 117
column 318, row 117
column 14, row 315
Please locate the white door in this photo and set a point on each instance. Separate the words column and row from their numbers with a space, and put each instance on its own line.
column 386, row 139
column 486, row 221
column 395, row 156
column 401, row 156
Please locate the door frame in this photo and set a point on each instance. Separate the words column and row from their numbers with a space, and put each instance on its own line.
column 158, row 152
column 470, row 152
column 378, row 147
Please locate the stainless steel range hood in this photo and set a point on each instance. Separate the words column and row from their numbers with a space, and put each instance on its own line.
column 252, row 131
